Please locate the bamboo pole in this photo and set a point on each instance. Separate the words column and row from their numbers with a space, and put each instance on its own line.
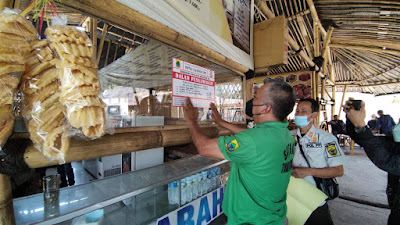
column 123, row 16
column 334, row 101
column 367, row 42
column 6, row 203
column 103, row 36
column 365, row 48
column 315, row 17
column 108, row 52
column 137, row 139
column 341, row 104
column 6, row 3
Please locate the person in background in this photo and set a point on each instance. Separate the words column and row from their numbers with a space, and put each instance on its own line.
column 66, row 171
column 385, row 122
column 317, row 154
column 373, row 124
column 338, row 126
column 384, row 152
column 260, row 157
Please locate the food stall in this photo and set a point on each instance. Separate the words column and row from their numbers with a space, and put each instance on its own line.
column 146, row 68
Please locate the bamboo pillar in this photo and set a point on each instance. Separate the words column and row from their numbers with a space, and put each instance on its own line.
column 6, row 203
column 6, row 3
column 100, row 50
column 341, row 104
column 334, row 101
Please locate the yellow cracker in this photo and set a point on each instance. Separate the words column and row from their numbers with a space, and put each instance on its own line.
column 14, row 58
column 68, row 68
column 77, row 78
column 44, row 93
column 40, row 81
column 39, row 68
column 39, row 44
column 5, row 130
column 6, row 97
column 58, row 30
column 95, row 131
column 28, row 29
column 14, row 29
column 57, row 142
column 87, row 62
column 9, row 81
column 13, row 43
column 5, row 112
column 84, row 102
column 86, row 117
column 76, row 40
column 78, row 93
column 6, row 68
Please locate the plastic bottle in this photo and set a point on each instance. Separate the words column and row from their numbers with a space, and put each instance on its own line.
column 203, row 182
column 189, row 187
column 173, row 193
column 209, row 179
column 217, row 177
column 183, row 191
column 196, row 186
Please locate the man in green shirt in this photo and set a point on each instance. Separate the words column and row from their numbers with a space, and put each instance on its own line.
column 261, row 157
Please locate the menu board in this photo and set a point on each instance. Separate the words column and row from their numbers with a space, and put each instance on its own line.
column 300, row 81
column 194, row 82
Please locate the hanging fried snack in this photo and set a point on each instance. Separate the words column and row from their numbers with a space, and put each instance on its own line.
column 41, row 107
column 80, row 86
column 15, row 32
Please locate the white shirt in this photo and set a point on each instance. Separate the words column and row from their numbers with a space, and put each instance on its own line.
column 321, row 149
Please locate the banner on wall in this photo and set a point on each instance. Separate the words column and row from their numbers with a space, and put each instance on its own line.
column 229, row 19
column 194, row 82
column 300, row 81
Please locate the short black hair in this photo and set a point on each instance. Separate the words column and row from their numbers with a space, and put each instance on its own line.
column 314, row 104
column 281, row 98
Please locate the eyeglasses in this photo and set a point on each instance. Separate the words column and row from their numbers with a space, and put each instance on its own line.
column 259, row 105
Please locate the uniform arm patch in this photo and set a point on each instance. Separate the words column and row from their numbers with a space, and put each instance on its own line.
column 232, row 146
column 332, row 150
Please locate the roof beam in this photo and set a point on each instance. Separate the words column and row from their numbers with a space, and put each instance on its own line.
column 364, row 48
column 367, row 42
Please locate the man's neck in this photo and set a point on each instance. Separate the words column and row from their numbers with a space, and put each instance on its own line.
column 304, row 130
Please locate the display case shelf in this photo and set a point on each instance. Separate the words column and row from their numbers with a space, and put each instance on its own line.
column 81, row 199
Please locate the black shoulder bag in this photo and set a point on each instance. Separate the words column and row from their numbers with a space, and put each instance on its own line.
column 327, row 185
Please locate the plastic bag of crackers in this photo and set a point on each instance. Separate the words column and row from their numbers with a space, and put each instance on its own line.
column 15, row 32
column 41, row 108
column 79, row 83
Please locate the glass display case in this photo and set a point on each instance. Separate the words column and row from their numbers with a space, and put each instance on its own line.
column 139, row 197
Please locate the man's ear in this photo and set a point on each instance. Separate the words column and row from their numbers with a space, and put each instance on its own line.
column 267, row 108
column 313, row 115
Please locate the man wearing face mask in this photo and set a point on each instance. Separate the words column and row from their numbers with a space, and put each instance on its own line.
column 317, row 154
column 261, row 157
column 384, row 152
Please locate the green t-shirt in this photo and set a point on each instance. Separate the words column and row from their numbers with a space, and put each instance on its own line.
column 261, row 164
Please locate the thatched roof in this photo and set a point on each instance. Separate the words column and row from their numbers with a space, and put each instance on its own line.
column 364, row 48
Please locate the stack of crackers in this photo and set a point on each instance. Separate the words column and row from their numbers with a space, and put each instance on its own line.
column 15, row 31
column 80, row 86
column 47, row 124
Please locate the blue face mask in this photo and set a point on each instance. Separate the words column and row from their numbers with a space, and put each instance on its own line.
column 301, row 121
